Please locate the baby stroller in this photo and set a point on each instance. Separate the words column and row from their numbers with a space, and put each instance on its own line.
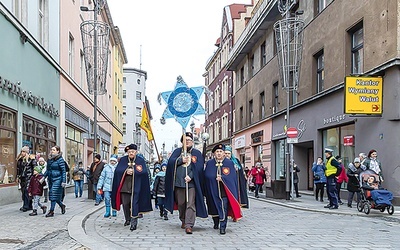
column 372, row 195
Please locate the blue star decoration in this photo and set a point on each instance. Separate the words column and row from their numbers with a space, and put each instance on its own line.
column 182, row 102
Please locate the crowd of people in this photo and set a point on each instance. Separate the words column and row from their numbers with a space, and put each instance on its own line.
column 333, row 174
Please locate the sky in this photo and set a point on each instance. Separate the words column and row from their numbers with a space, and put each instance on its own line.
column 167, row 39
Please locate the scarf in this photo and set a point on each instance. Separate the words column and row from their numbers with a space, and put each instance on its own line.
column 233, row 158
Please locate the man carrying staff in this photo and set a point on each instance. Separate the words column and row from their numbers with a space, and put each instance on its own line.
column 183, row 183
column 131, row 187
column 222, row 191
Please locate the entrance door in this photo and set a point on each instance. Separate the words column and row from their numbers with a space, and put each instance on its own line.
column 310, row 160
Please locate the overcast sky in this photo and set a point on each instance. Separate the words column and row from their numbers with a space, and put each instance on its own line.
column 177, row 37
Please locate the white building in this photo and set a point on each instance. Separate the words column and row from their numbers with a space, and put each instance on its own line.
column 134, row 97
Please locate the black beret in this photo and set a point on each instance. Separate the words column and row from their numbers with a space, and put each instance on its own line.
column 98, row 156
column 188, row 134
column 130, row 146
column 218, row 146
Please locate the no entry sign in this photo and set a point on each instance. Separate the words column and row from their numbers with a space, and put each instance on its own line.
column 292, row 132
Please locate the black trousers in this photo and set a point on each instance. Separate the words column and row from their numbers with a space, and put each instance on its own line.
column 126, row 205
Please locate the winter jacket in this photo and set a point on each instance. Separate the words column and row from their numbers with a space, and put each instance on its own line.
column 35, row 187
column 78, row 174
column 25, row 169
column 353, row 174
column 367, row 164
column 319, row 170
column 106, row 178
column 95, row 171
column 342, row 176
column 56, row 177
column 295, row 175
column 159, row 184
column 259, row 174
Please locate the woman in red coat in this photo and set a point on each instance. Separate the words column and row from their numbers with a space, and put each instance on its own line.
column 340, row 179
column 259, row 176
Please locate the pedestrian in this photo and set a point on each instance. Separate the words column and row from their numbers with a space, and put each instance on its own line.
column 295, row 170
column 362, row 157
column 43, row 166
column 243, row 198
column 222, row 191
column 25, row 165
column 95, row 170
column 341, row 178
column 258, row 177
column 78, row 176
column 159, row 190
column 67, row 169
column 332, row 170
column 131, row 187
column 372, row 162
column 105, row 184
column 353, row 186
column 184, row 182
column 56, row 178
column 319, row 178
column 35, row 190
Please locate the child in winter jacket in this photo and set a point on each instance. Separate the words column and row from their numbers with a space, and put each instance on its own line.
column 35, row 190
column 105, row 184
column 159, row 190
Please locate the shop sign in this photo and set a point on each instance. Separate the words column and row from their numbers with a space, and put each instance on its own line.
column 257, row 137
column 363, row 95
column 36, row 101
column 240, row 142
column 348, row 140
column 334, row 119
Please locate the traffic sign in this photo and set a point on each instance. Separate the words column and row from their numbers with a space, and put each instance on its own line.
column 292, row 140
column 292, row 132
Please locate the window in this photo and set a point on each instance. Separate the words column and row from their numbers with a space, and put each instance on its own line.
column 216, row 131
column 211, row 132
column 320, row 72
column 262, row 105
column 357, row 51
column 216, row 96
column 41, row 21
column 8, row 137
column 241, row 117
column 241, row 79
column 71, row 55
column 263, row 54
column 210, row 105
column 138, row 95
column 224, row 94
column 124, row 128
column 251, row 66
column 82, row 68
column 124, row 110
column 138, row 111
column 321, row 5
column 73, row 146
column 17, row 10
column 124, row 79
column 280, row 162
column 251, row 116
column 224, row 127
column 275, row 91
column 124, row 93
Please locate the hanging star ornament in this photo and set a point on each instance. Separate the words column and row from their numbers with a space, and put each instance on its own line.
column 183, row 102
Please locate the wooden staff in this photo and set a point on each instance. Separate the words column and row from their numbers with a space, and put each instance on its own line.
column 186, row 164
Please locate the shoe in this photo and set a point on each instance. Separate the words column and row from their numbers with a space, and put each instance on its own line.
column 24, row 209
column 44, row 208
column 140, row 216
column 76, row 196
column 50, row 214
column 114, row 213
column 298, row 196
column 34, row 212
column 316, row 199
column 340, row 203
column 349, row 205
column 333, row 207
column 63, row 209
column 222, row 231
column 183, row 225
column 133, row 224
column 21, row 208
column 127, row 222
column 234, row 220
column 96, row 204
column 321, row 200
column 165, row 217
column 188, row 230
column 216, row 226
column 257, row 196
column 327, row 206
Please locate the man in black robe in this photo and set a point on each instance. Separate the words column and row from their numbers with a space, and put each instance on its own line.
column 185, row 173
column 222, row 191
column 131, row 187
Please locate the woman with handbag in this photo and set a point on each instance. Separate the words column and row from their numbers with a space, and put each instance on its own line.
column 319, row 178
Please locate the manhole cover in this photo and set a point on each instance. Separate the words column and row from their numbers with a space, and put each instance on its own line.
column 13, row 241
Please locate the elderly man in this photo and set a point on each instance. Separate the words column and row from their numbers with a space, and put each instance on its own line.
column 222, row 191
column 183, row 184
column 131, row 187
column 332, row 169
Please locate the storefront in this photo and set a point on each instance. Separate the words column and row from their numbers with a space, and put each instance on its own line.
column 29, row 104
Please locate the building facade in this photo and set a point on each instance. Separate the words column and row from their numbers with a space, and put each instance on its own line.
column 341, row 38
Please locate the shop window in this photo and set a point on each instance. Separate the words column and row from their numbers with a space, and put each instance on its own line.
column 38, row 136
column 280, row 160
column 8, row 131
column 73, row 148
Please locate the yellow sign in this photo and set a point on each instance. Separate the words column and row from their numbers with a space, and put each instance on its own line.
column 363, row 95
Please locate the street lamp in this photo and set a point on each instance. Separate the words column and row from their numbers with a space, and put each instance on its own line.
column 95, row 41
column 204, row 137
column 289, row 41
